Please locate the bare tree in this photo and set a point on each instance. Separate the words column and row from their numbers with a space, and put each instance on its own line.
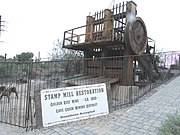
column 160, row 58
column 60, row 53
column 70, row 59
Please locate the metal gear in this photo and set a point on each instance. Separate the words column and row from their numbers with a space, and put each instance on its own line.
column 136, row 36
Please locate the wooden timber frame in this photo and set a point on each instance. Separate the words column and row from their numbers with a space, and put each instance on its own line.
column 104, row 36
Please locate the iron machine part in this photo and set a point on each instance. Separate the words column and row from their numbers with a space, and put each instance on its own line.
column 136, row 36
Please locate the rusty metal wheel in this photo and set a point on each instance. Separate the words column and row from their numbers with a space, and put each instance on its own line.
column 136, row 36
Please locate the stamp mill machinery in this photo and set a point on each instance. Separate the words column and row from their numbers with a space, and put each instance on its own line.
column 112, row 33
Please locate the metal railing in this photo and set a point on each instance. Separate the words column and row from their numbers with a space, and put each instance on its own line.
column 95, row 31
column 30, row 78
column 15, row 93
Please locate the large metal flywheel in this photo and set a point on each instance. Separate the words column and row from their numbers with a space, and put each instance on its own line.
column 136, row 36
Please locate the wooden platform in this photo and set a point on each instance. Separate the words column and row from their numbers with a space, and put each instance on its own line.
column 91, row 45
column 88, row 80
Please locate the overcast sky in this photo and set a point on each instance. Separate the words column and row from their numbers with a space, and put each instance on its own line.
column 33, row 25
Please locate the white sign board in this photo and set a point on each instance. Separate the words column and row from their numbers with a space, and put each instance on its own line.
column 67, row 104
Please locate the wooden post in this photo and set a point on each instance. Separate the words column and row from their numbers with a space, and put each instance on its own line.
column 109, row 97
column 103, row 61
column 108, row 25
column 130, row 11
column 89, row 29
column 127, row 69
column 85, row 71
column 128, row 60
column 38, row 109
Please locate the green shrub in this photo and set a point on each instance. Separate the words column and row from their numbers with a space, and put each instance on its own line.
column 170, row 126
